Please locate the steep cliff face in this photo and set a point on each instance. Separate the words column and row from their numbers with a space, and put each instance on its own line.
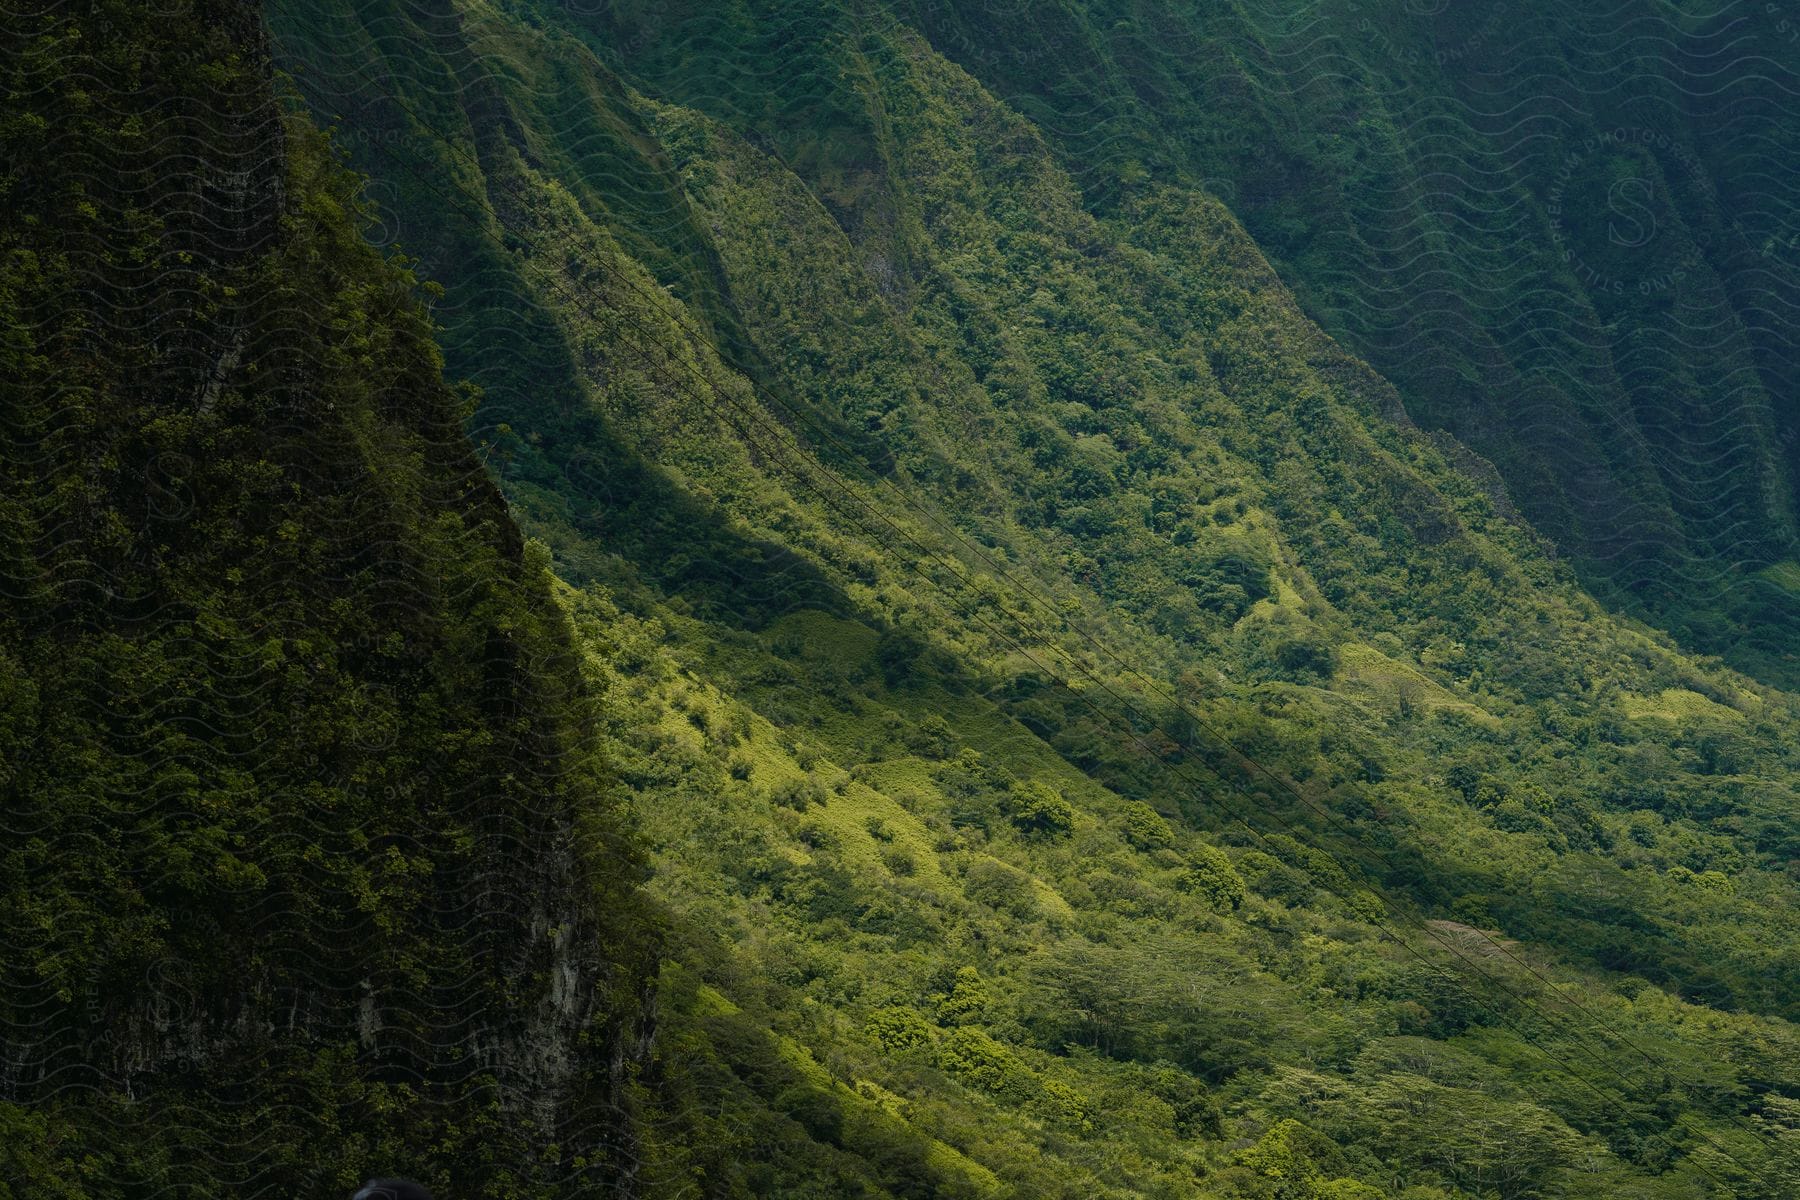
column 309, row 868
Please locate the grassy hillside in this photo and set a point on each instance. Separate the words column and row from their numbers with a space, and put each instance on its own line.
column 309, row 869
column 1091, row 742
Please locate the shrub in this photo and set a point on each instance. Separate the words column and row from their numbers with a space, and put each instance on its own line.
column 897, row 653
column 1275, row 879
column 1306, row 657
column 982, row 1062
column 1063, row 1104
column 999, row 886
column 1037, row 808
column 932, row 738
column 1145, row 827
column 798, row 794
column 1228, row 584
column 815, row 836
column 1211, row 876
column 900, row 861
column 968, row 999
column 897, row 1028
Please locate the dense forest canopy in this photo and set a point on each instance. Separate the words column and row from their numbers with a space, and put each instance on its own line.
column 932, row 599
column 309, row 858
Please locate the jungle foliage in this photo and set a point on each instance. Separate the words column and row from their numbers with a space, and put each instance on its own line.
column 1091, row 741
column 994, row 695
column 309, row 866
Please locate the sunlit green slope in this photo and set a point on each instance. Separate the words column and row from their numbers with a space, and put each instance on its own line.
column 942, row 542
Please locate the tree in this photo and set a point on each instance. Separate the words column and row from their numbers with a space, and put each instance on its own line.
column 1038, row 808
column 1210, row 875
column 1145, row 827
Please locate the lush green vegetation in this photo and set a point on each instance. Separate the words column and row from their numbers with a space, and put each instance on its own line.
column 308, row 864
column 995, row 701
column 1565, row 236
column 930, row 724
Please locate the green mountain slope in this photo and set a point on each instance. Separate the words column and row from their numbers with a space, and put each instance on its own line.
column 308, row 868
column 1087, row 740
column 1565, row 236
column 1091, row 742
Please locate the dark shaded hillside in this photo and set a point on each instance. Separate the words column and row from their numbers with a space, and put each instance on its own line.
column 308, row 868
